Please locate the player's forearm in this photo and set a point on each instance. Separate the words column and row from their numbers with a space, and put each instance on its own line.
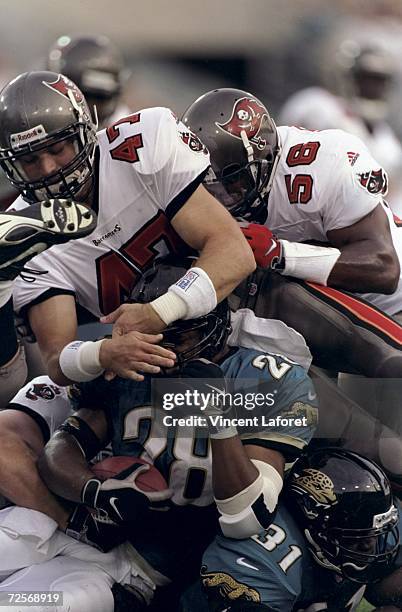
column 227, row 260
column 64, row 468
column 362, row 267
column 232, row 470
column 21, row 483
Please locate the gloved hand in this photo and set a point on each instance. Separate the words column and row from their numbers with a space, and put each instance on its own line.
column 267, row 249
column 120, row 498
column 94, row 527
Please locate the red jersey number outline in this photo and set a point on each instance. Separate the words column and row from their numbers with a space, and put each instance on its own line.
column 300, row 187
column 117, row 272
column 128, row 149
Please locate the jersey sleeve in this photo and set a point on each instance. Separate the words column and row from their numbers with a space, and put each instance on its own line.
column 282, row 403
column 171, row 160
column 45, row 402
column 52, row 280
column 357, row 186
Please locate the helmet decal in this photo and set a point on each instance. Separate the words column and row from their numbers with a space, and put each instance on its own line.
column 317, row 484
column 62, row 85
column 33, row 134
column 247, row 115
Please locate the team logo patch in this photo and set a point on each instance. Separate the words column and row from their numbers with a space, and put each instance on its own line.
column 374, row 181
column 187, row 280
column 318, row 485
column 227, row 586
column 298, row 410
column 42, row 391
column 193, row 142
column 247, row 116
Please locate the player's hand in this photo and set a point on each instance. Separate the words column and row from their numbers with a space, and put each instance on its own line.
column 134, row 317
column 120, row 498
column 133, row 353
column 266, row 247
column 207, row 377
column 94, row 528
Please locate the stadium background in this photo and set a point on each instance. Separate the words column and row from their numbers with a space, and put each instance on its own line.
column 177, row 50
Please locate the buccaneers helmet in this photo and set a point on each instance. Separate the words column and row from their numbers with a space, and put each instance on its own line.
column 95, row 65
column 243, row 143
column 212, row 329
column 343, row 503
column 38, row 110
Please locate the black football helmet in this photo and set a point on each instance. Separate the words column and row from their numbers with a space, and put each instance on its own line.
column 243, row 143
column 95, row 65
column 212, row 329
column 38, row 110
column 343, row 503
column 367, row 74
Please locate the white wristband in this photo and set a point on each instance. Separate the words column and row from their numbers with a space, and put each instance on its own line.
column 169, row 307
column 192, row 296
column 197, row 291
column 79, row 361
column 309, row 262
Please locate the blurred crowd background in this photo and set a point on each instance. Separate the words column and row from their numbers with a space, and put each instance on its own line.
column 175, row 51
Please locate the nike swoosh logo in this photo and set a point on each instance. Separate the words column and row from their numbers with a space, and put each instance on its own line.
column 272, row 247
column 112, row 502
column 311, row 396
column 242, row 561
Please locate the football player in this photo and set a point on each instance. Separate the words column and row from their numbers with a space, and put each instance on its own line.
column 303, row 186
column 95, row 65
column 336, row 531
column 239, row 468
column 294, row 186
column 33, row 546
column 359, row 103
column 143, row 175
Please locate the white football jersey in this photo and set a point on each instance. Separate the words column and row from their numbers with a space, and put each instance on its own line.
column 324, row 181
column 327, row 180
column 316, row 108
column 47, row 403
column 149, row 165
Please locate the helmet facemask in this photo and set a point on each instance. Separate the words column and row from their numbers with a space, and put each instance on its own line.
column 243, row 189
column 344, row 504
column 68, row 181
column 359, row 555
column 202, row 337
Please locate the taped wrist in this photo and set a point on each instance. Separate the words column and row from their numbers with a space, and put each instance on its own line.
column 309, row 262
column 79, row 361
column 251, row 510
column 85, row 437
column 197, row 291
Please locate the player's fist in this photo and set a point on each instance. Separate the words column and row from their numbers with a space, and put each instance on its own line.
column 121, row 498
column 266, row 247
